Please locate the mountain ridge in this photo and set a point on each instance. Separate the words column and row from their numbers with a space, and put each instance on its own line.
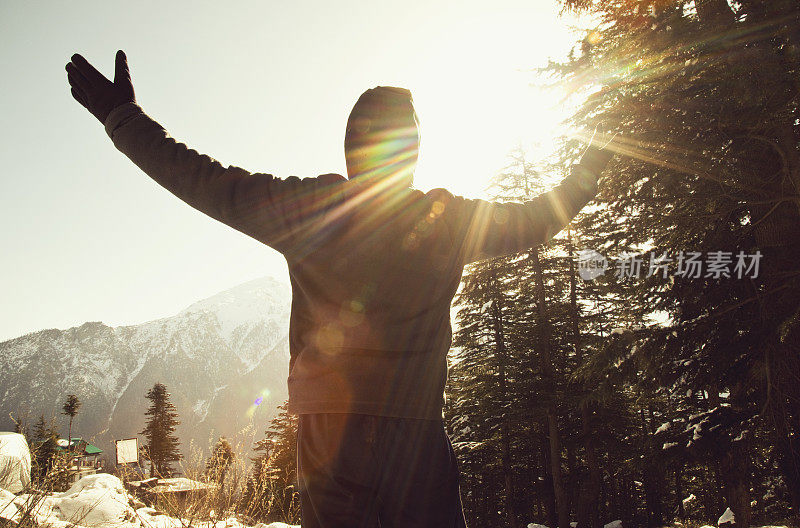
column 215, row 356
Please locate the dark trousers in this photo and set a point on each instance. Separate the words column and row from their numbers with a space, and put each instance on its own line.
column 363, row 471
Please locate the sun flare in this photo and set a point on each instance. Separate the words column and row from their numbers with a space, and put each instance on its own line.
column 475, row 107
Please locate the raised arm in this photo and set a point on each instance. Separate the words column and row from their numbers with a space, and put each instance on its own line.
column 260, row 205
column 486, row 229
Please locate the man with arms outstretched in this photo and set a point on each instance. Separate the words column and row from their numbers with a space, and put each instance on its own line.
column 374, row 265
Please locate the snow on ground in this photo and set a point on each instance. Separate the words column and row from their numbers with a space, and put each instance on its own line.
column 150, row 520
column 94, row 501
column 8, row 510
column 178, row 484
column 101, row 501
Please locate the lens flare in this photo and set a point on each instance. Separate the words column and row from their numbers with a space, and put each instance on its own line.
column 261, row 398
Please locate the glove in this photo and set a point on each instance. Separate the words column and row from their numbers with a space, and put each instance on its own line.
column 96, row 93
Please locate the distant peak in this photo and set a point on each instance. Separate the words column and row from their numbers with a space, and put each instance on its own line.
column 256, row 296
column 251, row 301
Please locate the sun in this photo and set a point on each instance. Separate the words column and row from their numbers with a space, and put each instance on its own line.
column 467, row 135
column 477, row 100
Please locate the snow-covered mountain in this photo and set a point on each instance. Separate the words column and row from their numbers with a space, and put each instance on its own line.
column 216, row 357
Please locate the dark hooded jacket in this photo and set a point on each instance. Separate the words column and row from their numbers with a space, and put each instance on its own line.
column 373, row 273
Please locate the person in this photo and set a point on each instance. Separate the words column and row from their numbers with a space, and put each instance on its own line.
column 374, row 265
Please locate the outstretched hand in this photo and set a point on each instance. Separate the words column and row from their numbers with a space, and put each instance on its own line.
column 94, row 91
column 597, row 155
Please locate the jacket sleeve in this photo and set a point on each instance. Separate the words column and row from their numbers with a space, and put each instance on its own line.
column 484, row 229
column 259, row 205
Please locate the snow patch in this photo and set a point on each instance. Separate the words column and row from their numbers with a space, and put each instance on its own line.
column 727, row 517
column 247, row 304
column 94, row 501
column 200, row 408
column 8, row 510
column 178, row 484
column 15, row 462
column 101, row 501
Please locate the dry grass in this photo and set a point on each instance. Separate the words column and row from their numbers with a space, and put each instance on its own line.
column 34, row 494
column 227, row 494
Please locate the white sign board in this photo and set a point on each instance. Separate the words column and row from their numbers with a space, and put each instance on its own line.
column 127, row 451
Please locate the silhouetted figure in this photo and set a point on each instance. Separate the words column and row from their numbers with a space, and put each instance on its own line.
column 374, row 265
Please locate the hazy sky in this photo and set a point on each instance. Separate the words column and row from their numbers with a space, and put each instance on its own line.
column 263, row 85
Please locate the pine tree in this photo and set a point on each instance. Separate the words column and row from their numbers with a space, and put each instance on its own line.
column 22, row 426
column 511, row 358
column 70, row 408
column 221, row 459
column 662, row 388
column 482, row 413
column 271, row 493
column 45, row 446
column 162, row 444
column 711, row 163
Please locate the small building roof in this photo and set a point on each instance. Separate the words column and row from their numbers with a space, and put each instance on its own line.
column 80, row 446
